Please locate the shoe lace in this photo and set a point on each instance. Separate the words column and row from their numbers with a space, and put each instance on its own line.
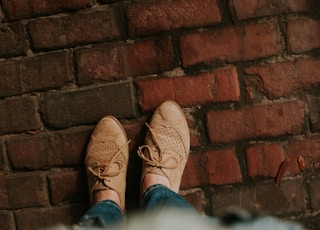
column 171, row 162
column 102, row 170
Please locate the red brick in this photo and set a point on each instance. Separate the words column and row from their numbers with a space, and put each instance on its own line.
column 36, row 74
column 314, row 186
column 211, row 168
column 149, row 56
column 73, row 29
column 10, row 79
column 195, row 171
column 7, row 220
column 99, row 63
column 29, row 152
column 155, row 16
column 290, row 76
column 286, row 198
column 74, row 186
column 314, row 111
column 303, row 34
column 257, row 8
column 84, row 106
column 19, row 114
column 41, row 151
column 223, row 167
column 254, row 122
column 114, row 62
column 231, row 43
column 135, row 132
column 16, row 9
column 218, row 86
column 41, row 218
column 26, row 190
column 69, row 147
column 308, row 148
column 264, row 159
column 12, row 40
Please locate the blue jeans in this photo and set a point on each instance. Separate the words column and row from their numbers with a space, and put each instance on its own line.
column 108, row 213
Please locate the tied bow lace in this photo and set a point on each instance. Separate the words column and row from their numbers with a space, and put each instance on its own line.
column 102, row 170
column 171, row 162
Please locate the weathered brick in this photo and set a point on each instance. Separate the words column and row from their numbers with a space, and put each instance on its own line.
column 308, row 148
column 211, row 168
column 225, row 198
column 264, row 198
column 10, row 79
column 149, row 56
column 196, row 198
column 254, row 122
column 219, row 85
column 4, row 164
column 155, row 16
column 231, row 43
column 4, row 201
column 69, row 147
column 40, row 218
column 44, row 150
column 314, row 111
column 257, row 8
column 314, row 186
column 19, row 114
column 135, row 132
column 303, row 34
column 7, row 220
column 99, row 63
column 29, row 152
column 286, row 198
column 264, row 159
column 74, row 186
column 195, row 171
column 106, row 1
column 290, row 76
column 74, row 29
column 223, row 167
column 138, row 58
column 68, row 108
column 311, row 222
column 36, row 74
column 26, row 190
column 12, row 40
column 16, row 9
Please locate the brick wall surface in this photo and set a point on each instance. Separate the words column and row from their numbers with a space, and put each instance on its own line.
column 246, row 73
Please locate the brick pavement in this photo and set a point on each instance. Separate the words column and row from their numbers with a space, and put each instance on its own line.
column 246, row 73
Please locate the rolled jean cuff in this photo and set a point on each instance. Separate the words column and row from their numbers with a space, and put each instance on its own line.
column 102, row 214
column 159, row 196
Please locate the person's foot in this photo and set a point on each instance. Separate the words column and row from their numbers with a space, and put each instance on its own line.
column 166, row 148
column 106, row 162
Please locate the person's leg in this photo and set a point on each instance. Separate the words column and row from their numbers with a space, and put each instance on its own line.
column 159, row 196
column 106, row 163
column 164, row 155
column 102, row 214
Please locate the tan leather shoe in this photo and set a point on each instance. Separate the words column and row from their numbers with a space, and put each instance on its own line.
column 167, row 144
column 107, row 158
